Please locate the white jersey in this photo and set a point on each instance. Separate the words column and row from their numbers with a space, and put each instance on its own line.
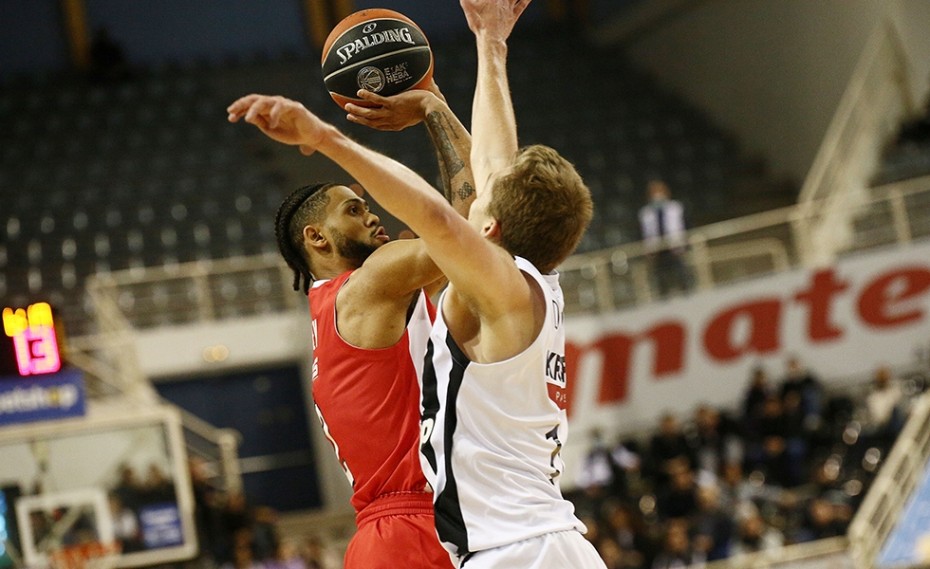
column 491, row 436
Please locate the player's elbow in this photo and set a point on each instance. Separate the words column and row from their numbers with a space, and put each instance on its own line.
column 441, row 222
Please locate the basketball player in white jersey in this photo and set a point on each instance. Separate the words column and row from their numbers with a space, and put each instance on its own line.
column 494, row 394
column 493, row 403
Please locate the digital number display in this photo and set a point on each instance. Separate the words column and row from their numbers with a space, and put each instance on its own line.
column 35, row 343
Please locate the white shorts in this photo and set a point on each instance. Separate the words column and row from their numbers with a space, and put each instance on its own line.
column 559, row 550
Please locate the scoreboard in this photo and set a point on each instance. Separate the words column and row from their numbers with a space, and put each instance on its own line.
column 30, row 343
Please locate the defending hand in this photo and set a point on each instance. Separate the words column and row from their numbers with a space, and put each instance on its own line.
column 493, row 19
column 281, row 119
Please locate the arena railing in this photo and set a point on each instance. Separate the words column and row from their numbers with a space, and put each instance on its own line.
column 876, row 100
column 896, row 481
column 832, row 553
column 595, row 282
column 746, row 247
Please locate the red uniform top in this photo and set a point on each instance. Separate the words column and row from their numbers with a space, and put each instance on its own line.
column 368, row 401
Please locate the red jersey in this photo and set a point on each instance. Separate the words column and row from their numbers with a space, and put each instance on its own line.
column 368, row 401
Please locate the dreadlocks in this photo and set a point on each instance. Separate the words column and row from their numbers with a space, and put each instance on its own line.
column 299, row 209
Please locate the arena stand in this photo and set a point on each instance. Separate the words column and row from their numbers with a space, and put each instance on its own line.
column 148, row 176
column 165, row 212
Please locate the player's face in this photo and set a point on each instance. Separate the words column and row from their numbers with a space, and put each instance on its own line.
column 352, row 229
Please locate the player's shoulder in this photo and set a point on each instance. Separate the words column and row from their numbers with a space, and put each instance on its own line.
column 382, row 276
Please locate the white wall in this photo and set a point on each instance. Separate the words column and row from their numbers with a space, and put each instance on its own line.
column 774, row 72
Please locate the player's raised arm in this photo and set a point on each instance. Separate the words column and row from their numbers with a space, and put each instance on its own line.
column 459, row 250
column 450, row 138
column 494, row 127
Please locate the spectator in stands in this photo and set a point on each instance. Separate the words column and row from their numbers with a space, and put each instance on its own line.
column 625, row 528
column 265, row 541
column 128, row 489
column 714, row 441
column 315, row 555
column 615, row 557
column 662, row 224
column 234, row 522
column 754, row 535
column 735, row 491
column 800, row 379
column 610, row 552
column 593, row 524
column 668, row 447
column 627, row 467
column 242, row 555
column 740, row 494
column 286, row 557
column 676, row 552
column 822, row 520
column 885, row 407
column 678, row 498
column 207, row 509
column 758, row 392
column 125, row 526
column 606, row 471
column 797, row 437
column 158, row 487
column 712, row 525
column 596, row 475
column 767, row 447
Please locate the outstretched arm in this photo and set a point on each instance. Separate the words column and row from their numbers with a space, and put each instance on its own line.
column 461, row 253
column 494, row 126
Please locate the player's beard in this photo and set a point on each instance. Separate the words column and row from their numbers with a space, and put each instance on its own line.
column 352, row 249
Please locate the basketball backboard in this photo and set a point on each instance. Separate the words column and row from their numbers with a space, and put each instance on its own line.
column 118, row 476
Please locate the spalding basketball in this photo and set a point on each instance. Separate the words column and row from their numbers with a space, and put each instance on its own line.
column 380, row 50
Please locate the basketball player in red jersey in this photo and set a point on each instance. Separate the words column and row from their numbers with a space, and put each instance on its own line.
column 371, row 317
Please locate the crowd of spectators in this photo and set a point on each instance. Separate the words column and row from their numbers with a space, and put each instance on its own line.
column 232, row 533
column 132, row 494
column 790, row 465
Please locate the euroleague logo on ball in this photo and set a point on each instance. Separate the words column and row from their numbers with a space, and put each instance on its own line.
column 371, row 79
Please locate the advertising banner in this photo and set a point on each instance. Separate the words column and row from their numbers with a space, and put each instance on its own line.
column 45, row 398
column 842, row 321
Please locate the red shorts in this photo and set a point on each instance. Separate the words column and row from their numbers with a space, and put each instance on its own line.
column 397, row 530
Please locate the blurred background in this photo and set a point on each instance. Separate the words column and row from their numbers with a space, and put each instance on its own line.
column 747, row 316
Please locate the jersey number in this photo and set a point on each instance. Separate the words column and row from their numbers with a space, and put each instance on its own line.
column 554, row 436
column 342, row 462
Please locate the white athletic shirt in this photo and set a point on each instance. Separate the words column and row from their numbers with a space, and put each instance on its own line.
column 491, row 435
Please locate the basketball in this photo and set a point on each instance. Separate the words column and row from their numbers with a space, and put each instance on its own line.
column 380, row 50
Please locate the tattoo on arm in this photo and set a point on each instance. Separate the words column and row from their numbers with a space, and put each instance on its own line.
column 450, row 163
column 465, row 191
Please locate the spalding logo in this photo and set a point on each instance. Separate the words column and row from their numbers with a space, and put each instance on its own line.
column 401, row 35
column 369, row 27
column 371, row 79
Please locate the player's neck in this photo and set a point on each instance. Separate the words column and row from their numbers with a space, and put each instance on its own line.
column 329, row 268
